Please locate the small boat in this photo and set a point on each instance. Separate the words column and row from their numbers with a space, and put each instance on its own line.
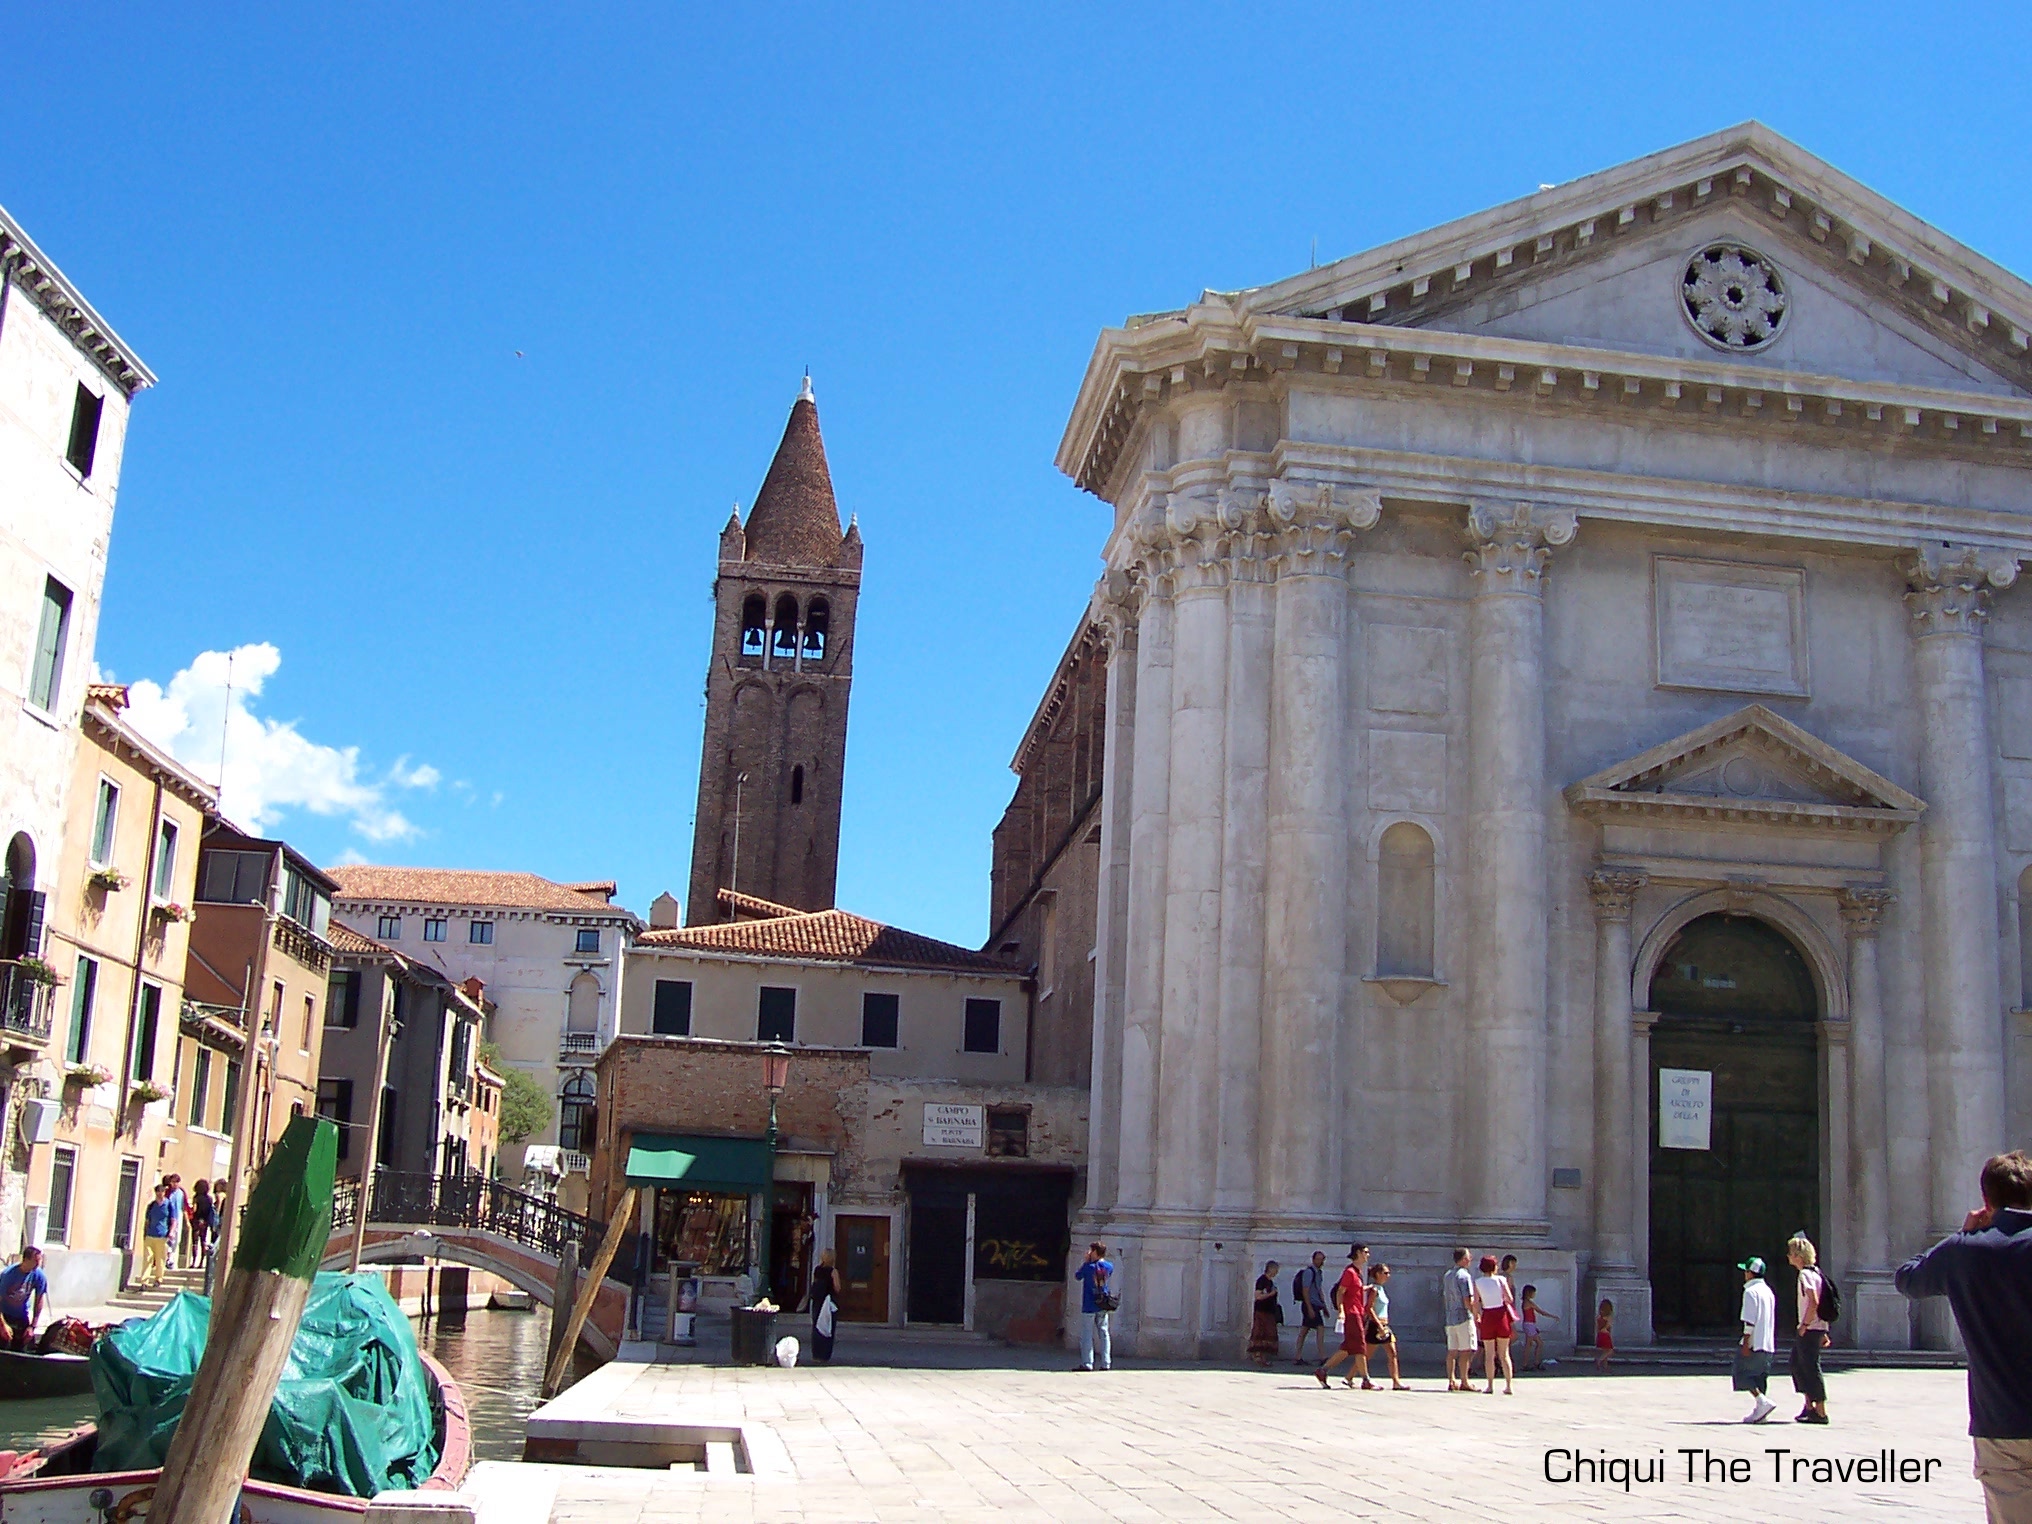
column 44, row 1375
column 56, row 1485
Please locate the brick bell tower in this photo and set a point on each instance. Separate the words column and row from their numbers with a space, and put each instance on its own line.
column 776, row 689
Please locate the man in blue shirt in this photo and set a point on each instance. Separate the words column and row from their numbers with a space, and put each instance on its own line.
column 155, row 1226
column 1985, row 1272
column 24, row 1297
column 1093, row 1279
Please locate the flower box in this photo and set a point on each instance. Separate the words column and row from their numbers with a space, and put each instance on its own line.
column 108, row 880
column 85, row 1076
column 36, row 971
column 169, row 910
column 148, row 1091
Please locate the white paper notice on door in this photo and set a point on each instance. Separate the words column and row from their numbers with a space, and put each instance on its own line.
column 1685, row 1103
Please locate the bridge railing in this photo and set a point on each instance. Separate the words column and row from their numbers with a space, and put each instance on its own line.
column 474, row 1201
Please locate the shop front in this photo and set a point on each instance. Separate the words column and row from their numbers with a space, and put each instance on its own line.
column 705, row 1210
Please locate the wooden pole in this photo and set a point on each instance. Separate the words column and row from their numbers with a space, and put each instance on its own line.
column 373, row 1155
column 617, row 1229
column 254, row 1322
column 564, row 1292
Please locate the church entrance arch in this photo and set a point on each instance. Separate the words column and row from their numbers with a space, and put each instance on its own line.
column 1736, row 999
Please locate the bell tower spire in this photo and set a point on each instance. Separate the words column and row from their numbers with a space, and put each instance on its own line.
column 776, row 688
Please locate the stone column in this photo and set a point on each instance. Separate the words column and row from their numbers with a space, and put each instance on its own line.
column 1149, row 849
column 1305, row 902
column 1505, row 1179
column 1189, row 1069
column 1111, row 609
column 1639, row 1297
column 1881, row 1321
column 1251, row 618
column 1949, row 600
column 1615, row 1259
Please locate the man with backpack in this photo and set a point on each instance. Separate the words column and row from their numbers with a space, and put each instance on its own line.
column 1308, row 1289
column 1097, row 1301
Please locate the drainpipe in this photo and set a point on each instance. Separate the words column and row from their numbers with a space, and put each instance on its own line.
column 244, row 1156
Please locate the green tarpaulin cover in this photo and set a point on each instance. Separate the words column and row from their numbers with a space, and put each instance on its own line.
column 353, row 1415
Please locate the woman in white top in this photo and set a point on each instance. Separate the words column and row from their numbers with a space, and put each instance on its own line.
column 1378, row 1330
column 1496, row 1319
column 1812, row 1336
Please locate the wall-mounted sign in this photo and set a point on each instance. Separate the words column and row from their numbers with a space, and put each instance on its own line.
column 947, row 1125
column 1685, row 1104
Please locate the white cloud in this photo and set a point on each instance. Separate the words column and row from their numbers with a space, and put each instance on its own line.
column 207, row 710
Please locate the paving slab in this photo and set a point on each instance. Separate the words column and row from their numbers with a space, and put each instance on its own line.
column 1187, row 1443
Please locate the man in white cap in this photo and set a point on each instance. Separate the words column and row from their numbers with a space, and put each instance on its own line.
column 1760, row 1339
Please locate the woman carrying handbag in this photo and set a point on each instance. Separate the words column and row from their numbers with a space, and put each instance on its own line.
column 824, row 1301
column 1496, row 1320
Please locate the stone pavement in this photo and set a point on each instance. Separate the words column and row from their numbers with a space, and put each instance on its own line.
column 1195, row 1442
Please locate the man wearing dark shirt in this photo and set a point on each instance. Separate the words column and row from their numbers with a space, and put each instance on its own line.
column 1985, row 1272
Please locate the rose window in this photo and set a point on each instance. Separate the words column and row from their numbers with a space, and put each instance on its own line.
column 1733, row 297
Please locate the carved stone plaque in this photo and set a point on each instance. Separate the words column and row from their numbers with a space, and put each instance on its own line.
column 2014, row 717
column 1407, row 771
column 1407, row 670
column 1730, row 627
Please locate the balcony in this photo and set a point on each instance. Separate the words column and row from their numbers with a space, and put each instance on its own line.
column 26, row 1003
column 573, row 1162
column 578, row 1045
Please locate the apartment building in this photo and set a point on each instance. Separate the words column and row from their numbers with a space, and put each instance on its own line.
column 66, row 382
column 551, row 958
column 102, row 1098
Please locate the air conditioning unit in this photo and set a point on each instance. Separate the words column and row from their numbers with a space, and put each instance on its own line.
column 38, row 1121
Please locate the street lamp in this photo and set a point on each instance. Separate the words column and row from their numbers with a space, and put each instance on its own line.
column 775, row 1075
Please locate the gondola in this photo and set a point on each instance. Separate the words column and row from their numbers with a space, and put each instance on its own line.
column 44, row 1375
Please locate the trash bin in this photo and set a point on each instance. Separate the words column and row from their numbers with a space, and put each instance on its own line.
column 754, row 1335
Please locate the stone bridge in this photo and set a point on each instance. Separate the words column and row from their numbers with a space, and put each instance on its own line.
column 482, row 1223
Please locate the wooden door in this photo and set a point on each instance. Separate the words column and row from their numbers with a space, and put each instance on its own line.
column 861, row 1253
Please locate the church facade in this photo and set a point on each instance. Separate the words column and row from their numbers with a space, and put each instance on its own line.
column 1566, row 781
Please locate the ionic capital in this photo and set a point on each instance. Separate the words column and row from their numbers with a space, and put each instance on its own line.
column 1862, row 908
column 1615, row 891
column 1312, row 524
column 1949, row 592
column 1509, row 544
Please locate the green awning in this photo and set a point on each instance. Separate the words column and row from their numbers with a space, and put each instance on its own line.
column 681, row 1161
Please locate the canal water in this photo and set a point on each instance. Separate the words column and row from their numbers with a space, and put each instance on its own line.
column 496, row 1357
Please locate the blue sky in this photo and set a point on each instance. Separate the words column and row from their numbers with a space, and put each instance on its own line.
column 477, row 584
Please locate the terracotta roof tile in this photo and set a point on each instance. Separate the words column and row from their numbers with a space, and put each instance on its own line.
column 830, row 936
column 467, row 886
column 754, row 907
column 796, row 519
column 347, row 942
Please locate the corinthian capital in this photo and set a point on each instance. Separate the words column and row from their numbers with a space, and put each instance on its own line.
column 1314, row 524
column 1112, row 610
column 1615, row 891
column 1950, row 586
column 1510, row 543
column 1862, row 908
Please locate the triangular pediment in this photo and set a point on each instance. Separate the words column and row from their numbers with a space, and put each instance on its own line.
column 1870, row 293
column 1751, row 765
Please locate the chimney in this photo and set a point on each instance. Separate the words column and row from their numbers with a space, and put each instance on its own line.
column 663, row 912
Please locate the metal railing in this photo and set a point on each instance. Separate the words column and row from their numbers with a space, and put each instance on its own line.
column 25, row 1002
column 474, row 1201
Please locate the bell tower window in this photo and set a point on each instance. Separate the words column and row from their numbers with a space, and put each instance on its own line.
column 785, row 643
column 816, row 619
column 754, row 615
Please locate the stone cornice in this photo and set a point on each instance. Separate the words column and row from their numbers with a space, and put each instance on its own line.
column 1089, row 643
column 29, row 269
column 1527, row 373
